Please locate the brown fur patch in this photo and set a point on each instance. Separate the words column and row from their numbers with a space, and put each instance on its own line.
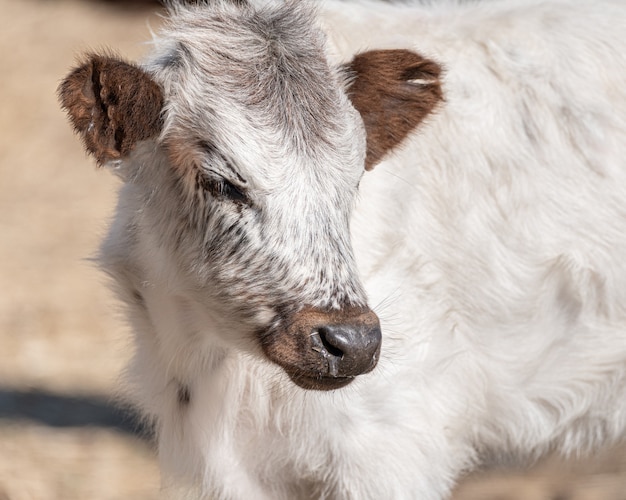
column 394, row 90
column 112, row 104
column 184, row 153
column 310, row 318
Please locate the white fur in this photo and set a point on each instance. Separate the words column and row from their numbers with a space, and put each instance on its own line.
column 491, row 243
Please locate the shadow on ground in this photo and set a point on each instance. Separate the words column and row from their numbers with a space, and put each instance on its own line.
column 60, row 411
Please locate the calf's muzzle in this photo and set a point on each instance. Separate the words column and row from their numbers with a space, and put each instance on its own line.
column 326, row 349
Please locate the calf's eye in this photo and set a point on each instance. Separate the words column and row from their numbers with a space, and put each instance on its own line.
column 222, row 188
column 228, row 190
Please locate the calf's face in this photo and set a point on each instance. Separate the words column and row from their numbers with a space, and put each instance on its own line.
column 246, row 148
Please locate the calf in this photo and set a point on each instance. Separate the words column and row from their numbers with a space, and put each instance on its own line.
column 250, row 244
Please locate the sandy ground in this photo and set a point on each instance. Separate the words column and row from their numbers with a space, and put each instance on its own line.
column 62, row 344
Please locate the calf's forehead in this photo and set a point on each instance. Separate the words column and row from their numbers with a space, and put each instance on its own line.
column 258, row 85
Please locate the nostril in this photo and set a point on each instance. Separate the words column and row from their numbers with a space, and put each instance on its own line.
column 327, row 338
column 346, row 350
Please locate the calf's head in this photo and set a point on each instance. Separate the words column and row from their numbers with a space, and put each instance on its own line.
column 243, row 147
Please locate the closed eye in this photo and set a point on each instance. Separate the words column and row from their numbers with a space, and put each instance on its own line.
column 228, row 190
column 222, row 188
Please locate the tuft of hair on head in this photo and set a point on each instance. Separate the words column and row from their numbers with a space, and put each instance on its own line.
column 172, row 4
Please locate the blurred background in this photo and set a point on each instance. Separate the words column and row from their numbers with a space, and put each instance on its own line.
column 62, row 341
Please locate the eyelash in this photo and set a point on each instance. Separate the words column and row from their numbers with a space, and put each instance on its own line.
column 220, row 187
column 228, row 190
column 223, row 189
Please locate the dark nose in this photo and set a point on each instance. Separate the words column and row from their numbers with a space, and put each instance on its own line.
column 349, row 349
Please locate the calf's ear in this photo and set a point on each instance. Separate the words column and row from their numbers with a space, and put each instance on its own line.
column 393, row 90
column 112, row 104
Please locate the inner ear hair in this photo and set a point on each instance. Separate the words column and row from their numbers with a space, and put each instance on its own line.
column 112, row 104
column 393, row 90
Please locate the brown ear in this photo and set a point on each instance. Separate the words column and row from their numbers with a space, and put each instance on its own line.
column 112, row 104
column 394, row 90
